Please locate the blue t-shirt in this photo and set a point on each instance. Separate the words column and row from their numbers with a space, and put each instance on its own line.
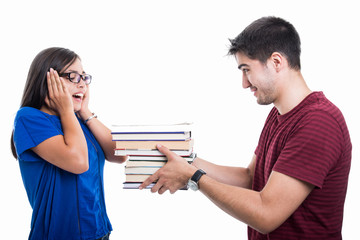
column 65, row 205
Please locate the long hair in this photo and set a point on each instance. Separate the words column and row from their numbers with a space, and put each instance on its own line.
column 36, row 88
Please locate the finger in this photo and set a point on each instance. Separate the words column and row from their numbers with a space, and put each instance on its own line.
column 172, row 191
column 162, row 190
column 47, row 101
column 165, row 151
column 61, row 81
column 54, row 84
column 50, row 85
column 158, row 187
column 87, row 93
column 86, row 98
column 148, row 181
column 63, row 86
column 59, row 84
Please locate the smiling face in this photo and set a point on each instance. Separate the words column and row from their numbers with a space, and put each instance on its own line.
column 77, row 90
column 258, row 77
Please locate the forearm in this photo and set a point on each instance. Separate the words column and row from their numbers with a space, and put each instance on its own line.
column 243, row 204
column 103, row 136
column 235, row 176
column 265, row 210
column 74, row 138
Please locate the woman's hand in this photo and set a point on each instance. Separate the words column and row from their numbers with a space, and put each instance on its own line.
column 84, row 113
column 59, row 98
column 85, row 101
column 69, row 150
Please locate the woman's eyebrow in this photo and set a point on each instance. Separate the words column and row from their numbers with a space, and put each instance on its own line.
column 69, row 70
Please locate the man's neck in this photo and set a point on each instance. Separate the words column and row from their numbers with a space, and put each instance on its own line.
column 292, row 91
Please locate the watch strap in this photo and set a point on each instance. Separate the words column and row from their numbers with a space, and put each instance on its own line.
column 197, row 175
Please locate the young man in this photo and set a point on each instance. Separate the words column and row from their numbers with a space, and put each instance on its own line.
column 295, row 184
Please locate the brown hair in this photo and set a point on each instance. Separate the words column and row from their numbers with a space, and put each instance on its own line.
column 36, row 89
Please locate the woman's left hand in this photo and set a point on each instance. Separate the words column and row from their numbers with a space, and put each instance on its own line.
column 84, row 112
column 85, row 102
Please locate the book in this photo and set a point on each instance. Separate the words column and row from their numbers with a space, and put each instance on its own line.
column 172, row 145
column 139, row 143
column 135, row 152
column 135, row 185
column 182, row 127
column 148, row 158
column 159, row 158
column 136, row 177
column 151, row 136
column 131, row 163
column 141, row 170
column 165, row 132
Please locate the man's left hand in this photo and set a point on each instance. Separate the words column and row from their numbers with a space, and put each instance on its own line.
column 173, row 176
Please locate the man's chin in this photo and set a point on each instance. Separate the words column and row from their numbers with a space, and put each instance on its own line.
column 265, row 101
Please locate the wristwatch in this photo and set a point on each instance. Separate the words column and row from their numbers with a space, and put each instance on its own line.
column 193, row 182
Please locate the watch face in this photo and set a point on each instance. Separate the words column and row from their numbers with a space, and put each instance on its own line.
column 193, row 185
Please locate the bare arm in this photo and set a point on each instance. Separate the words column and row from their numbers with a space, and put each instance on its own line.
column 236, row 176
column 103, row 136
column 100, row 131
column 175, row 174
column 263, row 211
column 68, row 151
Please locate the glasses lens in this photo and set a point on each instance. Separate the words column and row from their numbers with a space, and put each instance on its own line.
column 74, row 77
column 87, row 79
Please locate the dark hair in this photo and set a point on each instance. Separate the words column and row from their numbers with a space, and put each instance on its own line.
column 36, row 89
column 266, row 36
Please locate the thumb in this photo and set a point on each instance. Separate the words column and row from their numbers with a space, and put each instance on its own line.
column 165, row 151
column 47, row 101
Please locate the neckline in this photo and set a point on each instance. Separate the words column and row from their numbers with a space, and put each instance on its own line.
column 312, row 97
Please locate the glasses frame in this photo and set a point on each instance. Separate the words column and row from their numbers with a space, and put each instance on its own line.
column 82, row 76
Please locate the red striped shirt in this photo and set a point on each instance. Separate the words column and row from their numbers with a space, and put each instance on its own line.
column 310, row 143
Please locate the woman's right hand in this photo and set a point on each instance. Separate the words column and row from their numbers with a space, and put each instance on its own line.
column 59, row 98
column 69, row 150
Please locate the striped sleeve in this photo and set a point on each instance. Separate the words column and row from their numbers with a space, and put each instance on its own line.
column 312, row 149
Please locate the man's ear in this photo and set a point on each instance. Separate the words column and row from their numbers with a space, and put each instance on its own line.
column 278, row 61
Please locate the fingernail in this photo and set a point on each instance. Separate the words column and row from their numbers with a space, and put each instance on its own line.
column 158, row 145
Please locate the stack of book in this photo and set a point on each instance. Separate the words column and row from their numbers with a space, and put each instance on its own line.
column 139, row 143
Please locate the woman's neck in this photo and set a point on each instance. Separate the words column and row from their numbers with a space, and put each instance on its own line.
column 47, row 110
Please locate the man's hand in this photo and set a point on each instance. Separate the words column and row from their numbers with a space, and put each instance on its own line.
column 173, row 176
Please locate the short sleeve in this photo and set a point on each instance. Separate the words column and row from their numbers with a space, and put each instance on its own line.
column 31, row 127
column 312, row 149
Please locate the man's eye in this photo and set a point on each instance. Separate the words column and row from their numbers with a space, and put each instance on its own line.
column 245, row 70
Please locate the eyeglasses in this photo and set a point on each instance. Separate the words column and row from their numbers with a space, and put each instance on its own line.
column 75, row 77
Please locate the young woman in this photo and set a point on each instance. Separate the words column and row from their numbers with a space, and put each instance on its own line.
column 61, row 147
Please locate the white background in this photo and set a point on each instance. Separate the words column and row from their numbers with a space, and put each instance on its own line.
column 166, row 61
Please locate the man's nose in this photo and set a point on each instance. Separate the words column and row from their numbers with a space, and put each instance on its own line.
column 245, row 82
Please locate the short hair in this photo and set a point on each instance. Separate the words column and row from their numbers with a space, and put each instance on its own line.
column 266, row 36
